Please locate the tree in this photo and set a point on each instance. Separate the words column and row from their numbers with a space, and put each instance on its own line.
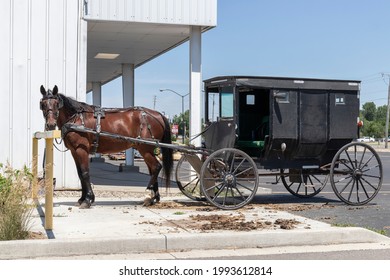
column 374, row 120
column 369, row 111
column 374, row 129
column 381, row 114
column 181, row 120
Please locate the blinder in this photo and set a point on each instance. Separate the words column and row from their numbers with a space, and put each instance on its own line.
column 59, row 99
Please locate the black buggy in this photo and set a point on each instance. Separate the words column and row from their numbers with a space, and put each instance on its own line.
column 300, row 130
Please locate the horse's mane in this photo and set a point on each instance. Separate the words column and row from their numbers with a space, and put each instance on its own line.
column 75, row 105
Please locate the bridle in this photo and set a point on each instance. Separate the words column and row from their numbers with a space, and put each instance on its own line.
column 48, row 100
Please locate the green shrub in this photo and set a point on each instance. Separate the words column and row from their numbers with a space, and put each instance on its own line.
column 15, row 203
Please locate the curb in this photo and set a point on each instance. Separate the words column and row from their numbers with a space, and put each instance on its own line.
column 178, row 242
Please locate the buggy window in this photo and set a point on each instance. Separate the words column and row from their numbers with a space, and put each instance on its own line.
column 340, row 99
column 250, row 99
column 226, row 102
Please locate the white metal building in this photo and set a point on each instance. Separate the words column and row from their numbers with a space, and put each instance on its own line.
column 80, row 45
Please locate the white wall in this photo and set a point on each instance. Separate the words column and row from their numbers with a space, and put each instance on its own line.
column 43, row 42
column 187, row 12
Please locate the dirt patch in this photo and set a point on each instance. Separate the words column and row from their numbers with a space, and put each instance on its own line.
column 36, row 235
column 167, row 205
column 234, row 222
column 296, row 207
column 226, row 222
column 286, row 223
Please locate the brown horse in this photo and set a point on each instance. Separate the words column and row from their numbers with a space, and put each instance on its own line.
column 136, row 122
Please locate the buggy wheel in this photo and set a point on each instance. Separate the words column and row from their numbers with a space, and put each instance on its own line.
column 356, row 173
column 304, row 183
column 187, row 179
column 229, row 179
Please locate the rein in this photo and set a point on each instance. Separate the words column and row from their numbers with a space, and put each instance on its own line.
column 59, row 143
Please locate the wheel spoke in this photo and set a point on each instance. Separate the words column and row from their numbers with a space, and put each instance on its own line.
column 350, row 160
column 344, row 162
column 364, row 189
column 343, row 189
column 239, row 165
column 342, row 179
column 180, row 178
column 369, row 183
column 350, row 193
column 232, row 163
column 245, row 187
column 368, row 169
column 238, row 197
column 361, row 160
column 242, row 172
column 219, row 192
column 299, row 186
column 186, row 169
column 368, row 161
column 212, row 187
column 189, row 183
column 372, row 176
column 240, row 193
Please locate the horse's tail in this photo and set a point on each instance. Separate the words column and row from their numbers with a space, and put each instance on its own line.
column 167, row 153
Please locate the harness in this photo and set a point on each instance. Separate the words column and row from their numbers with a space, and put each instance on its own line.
column 100, row 113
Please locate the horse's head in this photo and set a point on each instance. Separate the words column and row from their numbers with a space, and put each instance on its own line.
column 50, row 104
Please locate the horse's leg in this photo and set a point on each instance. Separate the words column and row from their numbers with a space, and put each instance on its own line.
column 83, row 187
column 154, row 167
column 82, row 163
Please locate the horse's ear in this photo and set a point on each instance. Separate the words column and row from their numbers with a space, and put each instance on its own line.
column 55, row 90
column 43, row 91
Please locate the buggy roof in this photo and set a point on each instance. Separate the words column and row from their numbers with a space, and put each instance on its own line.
column 283, row 83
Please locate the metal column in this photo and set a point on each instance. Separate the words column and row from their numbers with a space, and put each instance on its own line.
column 195, row 83
column 128, row 100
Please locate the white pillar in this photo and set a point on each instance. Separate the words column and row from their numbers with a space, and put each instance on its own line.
column 128, row 100
column 195, row 83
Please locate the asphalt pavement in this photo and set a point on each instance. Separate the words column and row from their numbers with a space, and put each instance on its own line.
column 118, row 225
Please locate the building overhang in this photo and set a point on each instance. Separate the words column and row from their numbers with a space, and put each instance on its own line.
column 129, row 35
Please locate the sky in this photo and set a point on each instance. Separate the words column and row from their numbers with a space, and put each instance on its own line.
column 330, row 39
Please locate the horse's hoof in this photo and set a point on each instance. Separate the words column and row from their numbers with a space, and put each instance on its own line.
column 85, row 205
column 148, row 202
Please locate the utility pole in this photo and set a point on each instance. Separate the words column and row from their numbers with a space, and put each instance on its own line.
column 182, row 108
column 388, row 111
column 154, row 102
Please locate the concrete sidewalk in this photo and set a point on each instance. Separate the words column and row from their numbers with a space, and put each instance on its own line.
column 117, row 223
column 121, row 225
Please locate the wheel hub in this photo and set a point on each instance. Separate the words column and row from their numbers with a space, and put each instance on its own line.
column 229, row 179
column 357, row 174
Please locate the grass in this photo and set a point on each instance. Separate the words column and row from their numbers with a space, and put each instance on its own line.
column 380, row 231
column 343, row 225
column 15, row 204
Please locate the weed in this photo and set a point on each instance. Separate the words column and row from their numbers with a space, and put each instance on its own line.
column 15, row 203
column 380, row 231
